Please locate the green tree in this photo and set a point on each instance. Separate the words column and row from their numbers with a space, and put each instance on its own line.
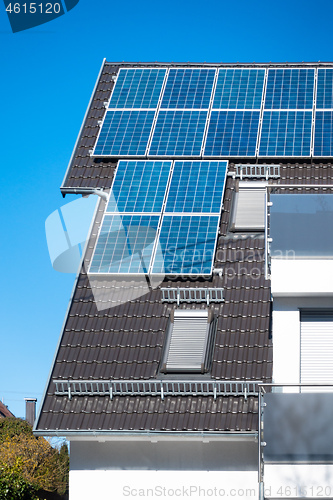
column 29, row 465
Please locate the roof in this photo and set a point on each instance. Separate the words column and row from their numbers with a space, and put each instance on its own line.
column 4, row 412
column 126, row 342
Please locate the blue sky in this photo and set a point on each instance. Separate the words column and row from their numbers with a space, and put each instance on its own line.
column 47, row 76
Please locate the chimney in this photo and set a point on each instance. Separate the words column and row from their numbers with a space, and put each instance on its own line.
column 30, row 410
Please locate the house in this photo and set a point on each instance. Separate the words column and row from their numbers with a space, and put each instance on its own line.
column 4, row 412
column 191, row 313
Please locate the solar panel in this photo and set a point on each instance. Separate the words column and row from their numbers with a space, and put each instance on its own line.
column 239, row 88
column 125, row 244
column 137, row 88
column 178, row 133
column 286, row 133
column 324, row 88
column 197, row 186
column 323, row 135
column 139, row 186
column 187, row 245
column 124, row 133
column 232, row 133
column 290, row 88
column 188, row 88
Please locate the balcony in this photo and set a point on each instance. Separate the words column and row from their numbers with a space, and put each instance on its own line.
column 296, row 441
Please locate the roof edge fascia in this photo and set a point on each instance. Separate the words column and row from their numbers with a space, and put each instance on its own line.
column 221, row 64
column 153, row 436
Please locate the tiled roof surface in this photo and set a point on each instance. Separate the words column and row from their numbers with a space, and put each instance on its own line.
column 126, row 341
column 151, row 413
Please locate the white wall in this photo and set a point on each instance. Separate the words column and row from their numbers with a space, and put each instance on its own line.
column 286, row 335
column 301, row 277
column 119, row 485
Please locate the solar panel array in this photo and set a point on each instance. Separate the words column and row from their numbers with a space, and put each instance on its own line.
column 219, row 112
column 162, row 218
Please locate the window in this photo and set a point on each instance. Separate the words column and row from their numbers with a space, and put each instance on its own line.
column 317, row 346
column 189, row 343
column 248, row 211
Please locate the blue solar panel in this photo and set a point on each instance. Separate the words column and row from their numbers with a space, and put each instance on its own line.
column 188, row 88
column 178, row 133
column 125, row 133
column 232, row 133
column 139, row 186
column 289, row 89
column 197, row 186
column 323, row 137
column 286, row 133
column 187, row 245
column 125, row 244
column 137, row 88
column 239, row 89
column 325, row 88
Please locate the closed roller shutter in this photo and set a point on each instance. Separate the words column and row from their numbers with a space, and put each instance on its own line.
column 317, row 347
column 249, row 209
column 188, row 341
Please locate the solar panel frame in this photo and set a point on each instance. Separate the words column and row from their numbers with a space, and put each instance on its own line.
column 222, row 142
column 183, row 136
column 196, row 187
column 323, row 134
column 117, row 244
column 285, row 99
column 117, row 101
column 139, row 186
column 175, row 98
column 166, row 255
column 324, row 91
column 111, row 142
column 285, row 140
column 225, row 75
